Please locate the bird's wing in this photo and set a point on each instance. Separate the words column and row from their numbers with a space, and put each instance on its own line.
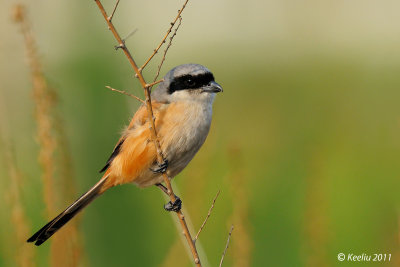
column 113, row 154
column 132, row 155
column 138, row 118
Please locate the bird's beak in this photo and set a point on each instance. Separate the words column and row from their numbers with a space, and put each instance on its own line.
column 213, row 87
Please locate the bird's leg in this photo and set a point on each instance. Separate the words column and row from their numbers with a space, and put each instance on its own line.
column 162, row 168
column 163, row 188
column 176, row 206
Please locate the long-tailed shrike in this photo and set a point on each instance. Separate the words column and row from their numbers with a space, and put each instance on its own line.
column 182, row 106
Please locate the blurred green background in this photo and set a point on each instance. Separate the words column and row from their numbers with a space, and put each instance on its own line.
column 304, row 144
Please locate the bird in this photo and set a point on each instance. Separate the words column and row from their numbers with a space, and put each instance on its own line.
column 182, row 108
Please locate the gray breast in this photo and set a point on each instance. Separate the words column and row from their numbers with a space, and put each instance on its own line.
column 190, row 136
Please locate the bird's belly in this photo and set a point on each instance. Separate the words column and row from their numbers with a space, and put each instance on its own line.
column 180, row 139
column 185, row 136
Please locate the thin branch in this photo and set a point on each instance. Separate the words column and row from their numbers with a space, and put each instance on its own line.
column 130, row 34
column 153, row 131
column 165, row 37
column 154, row 83
column 166, row 49
column 112, row 14
column 226, row 247
column 125, row 93
column 208, row 216
column 121, row 43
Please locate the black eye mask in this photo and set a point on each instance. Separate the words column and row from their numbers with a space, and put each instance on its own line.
column 188, row 81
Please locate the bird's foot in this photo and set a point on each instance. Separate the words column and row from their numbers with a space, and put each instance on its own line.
column 176, row 206
column 162, row 168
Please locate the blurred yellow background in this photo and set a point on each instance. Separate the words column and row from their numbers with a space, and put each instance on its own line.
column 304, row 144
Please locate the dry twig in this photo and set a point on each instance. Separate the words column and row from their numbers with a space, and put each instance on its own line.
column 165, row 37
column 130, row 34
column 125, row 93
column 226, row 247
column 166, row 49
column 208, row 216
column 156, row 82
column 113, row 12
column 153, row 131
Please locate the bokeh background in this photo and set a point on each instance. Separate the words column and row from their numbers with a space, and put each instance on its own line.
column 304, row 145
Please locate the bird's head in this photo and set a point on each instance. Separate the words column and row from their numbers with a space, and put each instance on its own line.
column 187, row 82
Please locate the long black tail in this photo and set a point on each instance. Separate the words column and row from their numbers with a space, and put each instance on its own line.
column 54, row 225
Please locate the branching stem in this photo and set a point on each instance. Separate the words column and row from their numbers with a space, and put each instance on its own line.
column 165, row 37
column 153, row 131
column 226, row 247
column 125, row 93
column 208, row 216
column 166, row 49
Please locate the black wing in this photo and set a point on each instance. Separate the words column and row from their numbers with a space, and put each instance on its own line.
column 113, row 155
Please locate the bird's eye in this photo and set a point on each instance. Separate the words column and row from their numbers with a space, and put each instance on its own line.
column 190, row 82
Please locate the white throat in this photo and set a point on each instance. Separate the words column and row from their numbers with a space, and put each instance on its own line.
column 204, row 98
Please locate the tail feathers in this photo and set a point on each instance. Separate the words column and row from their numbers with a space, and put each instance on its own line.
column 54, row 225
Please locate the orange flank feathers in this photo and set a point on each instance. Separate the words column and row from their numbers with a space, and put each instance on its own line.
column 131, row 161
column 134, row 153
